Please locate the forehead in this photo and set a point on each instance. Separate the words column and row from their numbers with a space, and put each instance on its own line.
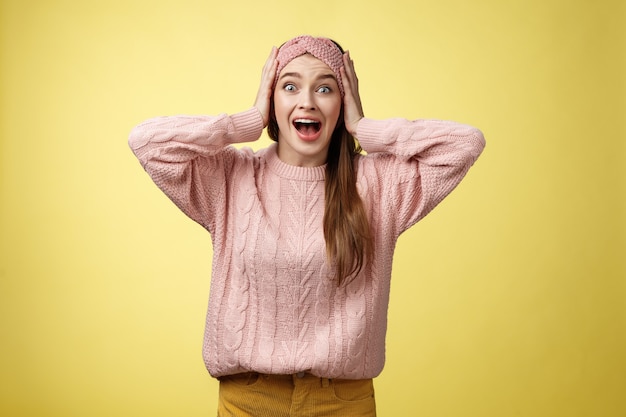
column 307, row 65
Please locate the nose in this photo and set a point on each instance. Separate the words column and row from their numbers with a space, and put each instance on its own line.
column 307, row 100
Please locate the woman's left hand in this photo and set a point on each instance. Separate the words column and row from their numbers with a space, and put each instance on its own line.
column 352, row 107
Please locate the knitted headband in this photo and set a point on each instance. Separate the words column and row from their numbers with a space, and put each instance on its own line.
column 321, row 48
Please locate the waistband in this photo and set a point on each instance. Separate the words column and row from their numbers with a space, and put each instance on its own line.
column 297, row 378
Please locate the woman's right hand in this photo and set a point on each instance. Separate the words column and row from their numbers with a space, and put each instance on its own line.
column 264, row 94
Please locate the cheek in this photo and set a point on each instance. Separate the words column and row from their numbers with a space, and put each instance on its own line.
column 281, row 108
column 333, row 116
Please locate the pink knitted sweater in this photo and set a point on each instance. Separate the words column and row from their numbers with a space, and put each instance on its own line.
column 272, row 306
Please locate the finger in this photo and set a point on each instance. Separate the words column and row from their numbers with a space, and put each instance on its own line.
column 350, row 74
column 264, row 93
column 270, row 65
column 347, row 85
column 351, row 82
column 269, row 72
column 352, row 99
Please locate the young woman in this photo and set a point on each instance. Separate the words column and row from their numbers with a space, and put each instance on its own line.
column 304, row 230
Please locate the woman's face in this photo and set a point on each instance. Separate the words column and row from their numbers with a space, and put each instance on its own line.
column 307, row 104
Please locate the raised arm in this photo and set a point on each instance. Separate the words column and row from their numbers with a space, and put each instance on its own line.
column 187, row 157
column 417, row 163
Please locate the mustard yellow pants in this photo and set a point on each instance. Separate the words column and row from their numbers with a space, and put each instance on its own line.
column 258, row 395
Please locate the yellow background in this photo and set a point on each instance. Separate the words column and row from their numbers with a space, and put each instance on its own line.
column 508, row 300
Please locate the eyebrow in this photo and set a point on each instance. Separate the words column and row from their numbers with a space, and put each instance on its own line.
column 297, row 75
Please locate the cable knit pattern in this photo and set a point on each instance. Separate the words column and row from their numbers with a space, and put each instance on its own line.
column 273, row 307
column 321, row 48
column 238, row 297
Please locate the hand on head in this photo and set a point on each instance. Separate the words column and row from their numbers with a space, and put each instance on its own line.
column 352, row 107
column 264, row 95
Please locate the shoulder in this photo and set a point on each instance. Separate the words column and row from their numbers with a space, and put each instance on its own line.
column 245, row 158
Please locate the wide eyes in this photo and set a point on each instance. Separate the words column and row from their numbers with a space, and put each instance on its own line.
column 290, row 87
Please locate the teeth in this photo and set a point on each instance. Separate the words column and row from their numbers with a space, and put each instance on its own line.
column 305, row 121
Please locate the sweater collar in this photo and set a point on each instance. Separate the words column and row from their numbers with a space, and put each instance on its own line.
column 293, row 172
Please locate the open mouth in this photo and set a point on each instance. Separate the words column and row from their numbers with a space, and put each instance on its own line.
column 307, row 127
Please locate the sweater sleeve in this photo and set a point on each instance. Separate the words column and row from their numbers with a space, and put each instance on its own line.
column 189, row 159
column 416, row 164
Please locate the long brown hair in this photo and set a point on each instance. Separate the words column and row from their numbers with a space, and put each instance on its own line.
column 349, row 240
